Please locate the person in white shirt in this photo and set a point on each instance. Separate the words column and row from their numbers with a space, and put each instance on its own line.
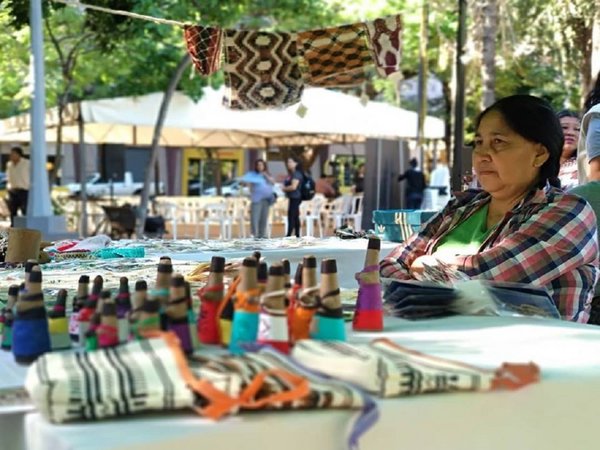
column 440, row 180
column 17, row 175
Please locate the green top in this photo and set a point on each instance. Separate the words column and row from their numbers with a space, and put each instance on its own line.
column 468, row 236
column 591, row 193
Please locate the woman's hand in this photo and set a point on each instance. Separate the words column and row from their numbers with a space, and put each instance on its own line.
column 418, row 265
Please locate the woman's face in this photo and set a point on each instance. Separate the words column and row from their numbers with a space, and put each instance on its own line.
column 570, row 127
column 260, row 166
column 291, row 164
column 507, row 164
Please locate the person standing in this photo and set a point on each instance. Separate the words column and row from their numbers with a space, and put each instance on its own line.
column 261, row 197
column 415, row 185
column 570, row 124
column 440, row 180
column 291, row 187
column 359, row 180
column 17, row 175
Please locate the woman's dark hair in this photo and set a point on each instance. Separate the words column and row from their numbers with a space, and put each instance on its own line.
column 260, row 160
column 593, row 97
column 567, row 113
column 533, row 119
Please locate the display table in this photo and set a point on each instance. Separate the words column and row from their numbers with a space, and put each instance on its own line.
column 12, row 410
column 558, row 413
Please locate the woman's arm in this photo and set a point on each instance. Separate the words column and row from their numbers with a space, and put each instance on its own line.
column 292, row 187
column 552, row 243
column 592, row 144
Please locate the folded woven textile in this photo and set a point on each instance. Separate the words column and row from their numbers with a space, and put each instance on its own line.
column 324, row 392
column 389, row 370
column 153, row 375
column 261, row 70
column 426, row 299
column 143, row 375
column 337, row 56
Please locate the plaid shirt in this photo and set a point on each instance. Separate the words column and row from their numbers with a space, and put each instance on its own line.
column 548, row 239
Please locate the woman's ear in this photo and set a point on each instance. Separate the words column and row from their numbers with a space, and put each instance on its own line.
column 541, row 155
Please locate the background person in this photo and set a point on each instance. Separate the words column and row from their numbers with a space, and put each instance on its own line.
column 261, row 197
column 17, row 184
column 359, row 180
column 520, row 227
column 570, row 124
column 415, row 185
column 440, row 180
column 291, row 187
column 588, row 158
column 325, row 187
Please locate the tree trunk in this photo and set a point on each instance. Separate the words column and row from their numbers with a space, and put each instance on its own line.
column 184, row 63
column 488, row 51
column 423, row 70
column 596, row 44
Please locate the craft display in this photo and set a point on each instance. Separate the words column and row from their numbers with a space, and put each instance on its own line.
column 273, row 324
column 8, row 317
column 261, row 69
column 79, row 301
column 58, row 324
column 328, row 322
column 204, row 47
column 336, row 56
column 368, row 315
column 89, row 308
column 123, row 304
column 244, row 328
column 30, row 334
column 139, row 296
column 385, row 38
column 262, row 276
column 191, row 317
column 108, row 330
column 386, row 369
column 211, row 297
column 291, row 297
column 177, row 313
column 307, row 300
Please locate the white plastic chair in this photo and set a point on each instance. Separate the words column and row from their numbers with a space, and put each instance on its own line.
column 310, row 214
column 355, row 214
column 216, row 213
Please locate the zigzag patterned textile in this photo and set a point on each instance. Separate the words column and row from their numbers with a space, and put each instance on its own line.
column 385, row 38
column 204, row 46
column 335, row 56
column 261, row 70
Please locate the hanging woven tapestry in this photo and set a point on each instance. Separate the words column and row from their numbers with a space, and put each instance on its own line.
column 335, row 56
column 204, row 46
column 261, row 70
column 385, row 37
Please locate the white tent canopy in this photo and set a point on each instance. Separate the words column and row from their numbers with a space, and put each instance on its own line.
column 330, row 117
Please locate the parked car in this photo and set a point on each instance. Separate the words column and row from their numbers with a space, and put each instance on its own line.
column 96, row 187
column 235, row 188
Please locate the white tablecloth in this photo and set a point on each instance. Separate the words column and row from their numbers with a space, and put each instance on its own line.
column 11, row 415
column 558, row 413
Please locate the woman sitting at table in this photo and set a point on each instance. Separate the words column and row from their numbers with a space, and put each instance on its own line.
column 520, row 227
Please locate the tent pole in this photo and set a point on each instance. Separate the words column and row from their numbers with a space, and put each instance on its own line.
column 82, row 175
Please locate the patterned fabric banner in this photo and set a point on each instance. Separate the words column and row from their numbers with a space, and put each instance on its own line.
column 204, row 46
column 261, row 70
column 335, row 56
column 385, row 39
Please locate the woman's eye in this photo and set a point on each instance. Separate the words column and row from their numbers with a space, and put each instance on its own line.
column 478, row 142
column 497, row 141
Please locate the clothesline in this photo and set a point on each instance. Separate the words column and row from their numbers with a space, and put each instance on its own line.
column 78, row 4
